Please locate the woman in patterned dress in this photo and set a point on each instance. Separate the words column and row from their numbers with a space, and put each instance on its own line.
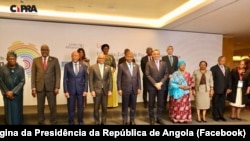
column 179, row 91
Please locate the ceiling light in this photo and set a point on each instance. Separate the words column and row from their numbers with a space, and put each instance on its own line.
column 184, row 9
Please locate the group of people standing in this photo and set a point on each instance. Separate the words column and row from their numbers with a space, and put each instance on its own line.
column 166, row 85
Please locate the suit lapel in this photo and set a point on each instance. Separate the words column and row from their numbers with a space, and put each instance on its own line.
column 48, row 62
column 80, row 68
column 154, row 64
column 125, row 65
column 134, row 69
column 41, row 62
column 71, row 68
column 219, row 69
column 99, row 71
column 104, row 71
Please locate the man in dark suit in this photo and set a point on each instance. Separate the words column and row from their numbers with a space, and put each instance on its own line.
column 128, row 85
column 100, row 83
column 172, row 62
column 123, row 59
column 144, row 61
column 157, row 74
column 222, row 87
column 45, row 82
column 75, row 86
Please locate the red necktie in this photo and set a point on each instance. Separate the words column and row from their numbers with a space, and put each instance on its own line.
column 44, row 63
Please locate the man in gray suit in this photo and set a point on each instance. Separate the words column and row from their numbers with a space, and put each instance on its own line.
column 100, row 83
column 172, row 62
column 129, row 85
column 45, row 82
column 157, row 74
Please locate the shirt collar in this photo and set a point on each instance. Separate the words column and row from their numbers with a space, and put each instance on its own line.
column 77, row 63
column 129, row 63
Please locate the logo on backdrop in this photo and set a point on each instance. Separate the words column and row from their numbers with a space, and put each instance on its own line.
column 26, row 52
column 23, row 8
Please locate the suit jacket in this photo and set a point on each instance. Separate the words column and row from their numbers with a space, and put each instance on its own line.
column 172, row 68
column 49, row 78
column 123, row 59
column 221, row 82
column 246, row 82
column 127, row 82
column 154, row 75
column 197, row 78
column 96, row 82
column 144, row 61
column 73, row 83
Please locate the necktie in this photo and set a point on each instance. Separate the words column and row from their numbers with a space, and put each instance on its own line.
column 76, row 69
column 223, row 69
column 44, row 63
column 149, row 58
column 157, row 64
column 131, row 68
column 171, row 60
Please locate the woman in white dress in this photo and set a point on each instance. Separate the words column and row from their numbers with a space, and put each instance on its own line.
column 240, row 89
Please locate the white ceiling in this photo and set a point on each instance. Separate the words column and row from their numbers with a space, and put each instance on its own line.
column 226, row 17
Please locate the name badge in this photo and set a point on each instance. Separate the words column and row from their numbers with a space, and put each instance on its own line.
column 240, row 84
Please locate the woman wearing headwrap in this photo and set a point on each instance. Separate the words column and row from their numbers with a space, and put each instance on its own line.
column 12, row 80
column 179, row 92
column 110, row 61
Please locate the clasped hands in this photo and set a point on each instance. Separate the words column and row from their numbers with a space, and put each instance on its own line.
column 10, row 95
column 184, row 87
column 158, row 85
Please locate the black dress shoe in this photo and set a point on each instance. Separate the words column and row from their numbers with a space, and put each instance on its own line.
column 216, row 119
column 152, row 122
column 132, row 122
column 203, row 120
column 198, row 120
column 145, row 105
column 159, row 121
column 223, row 119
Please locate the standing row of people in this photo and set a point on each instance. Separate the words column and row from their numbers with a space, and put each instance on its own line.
column 162, row 78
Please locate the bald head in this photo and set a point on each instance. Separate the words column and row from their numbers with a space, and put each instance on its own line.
column 101, row 58
column 45, row 50
column 129, row 56
column 75, row 56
